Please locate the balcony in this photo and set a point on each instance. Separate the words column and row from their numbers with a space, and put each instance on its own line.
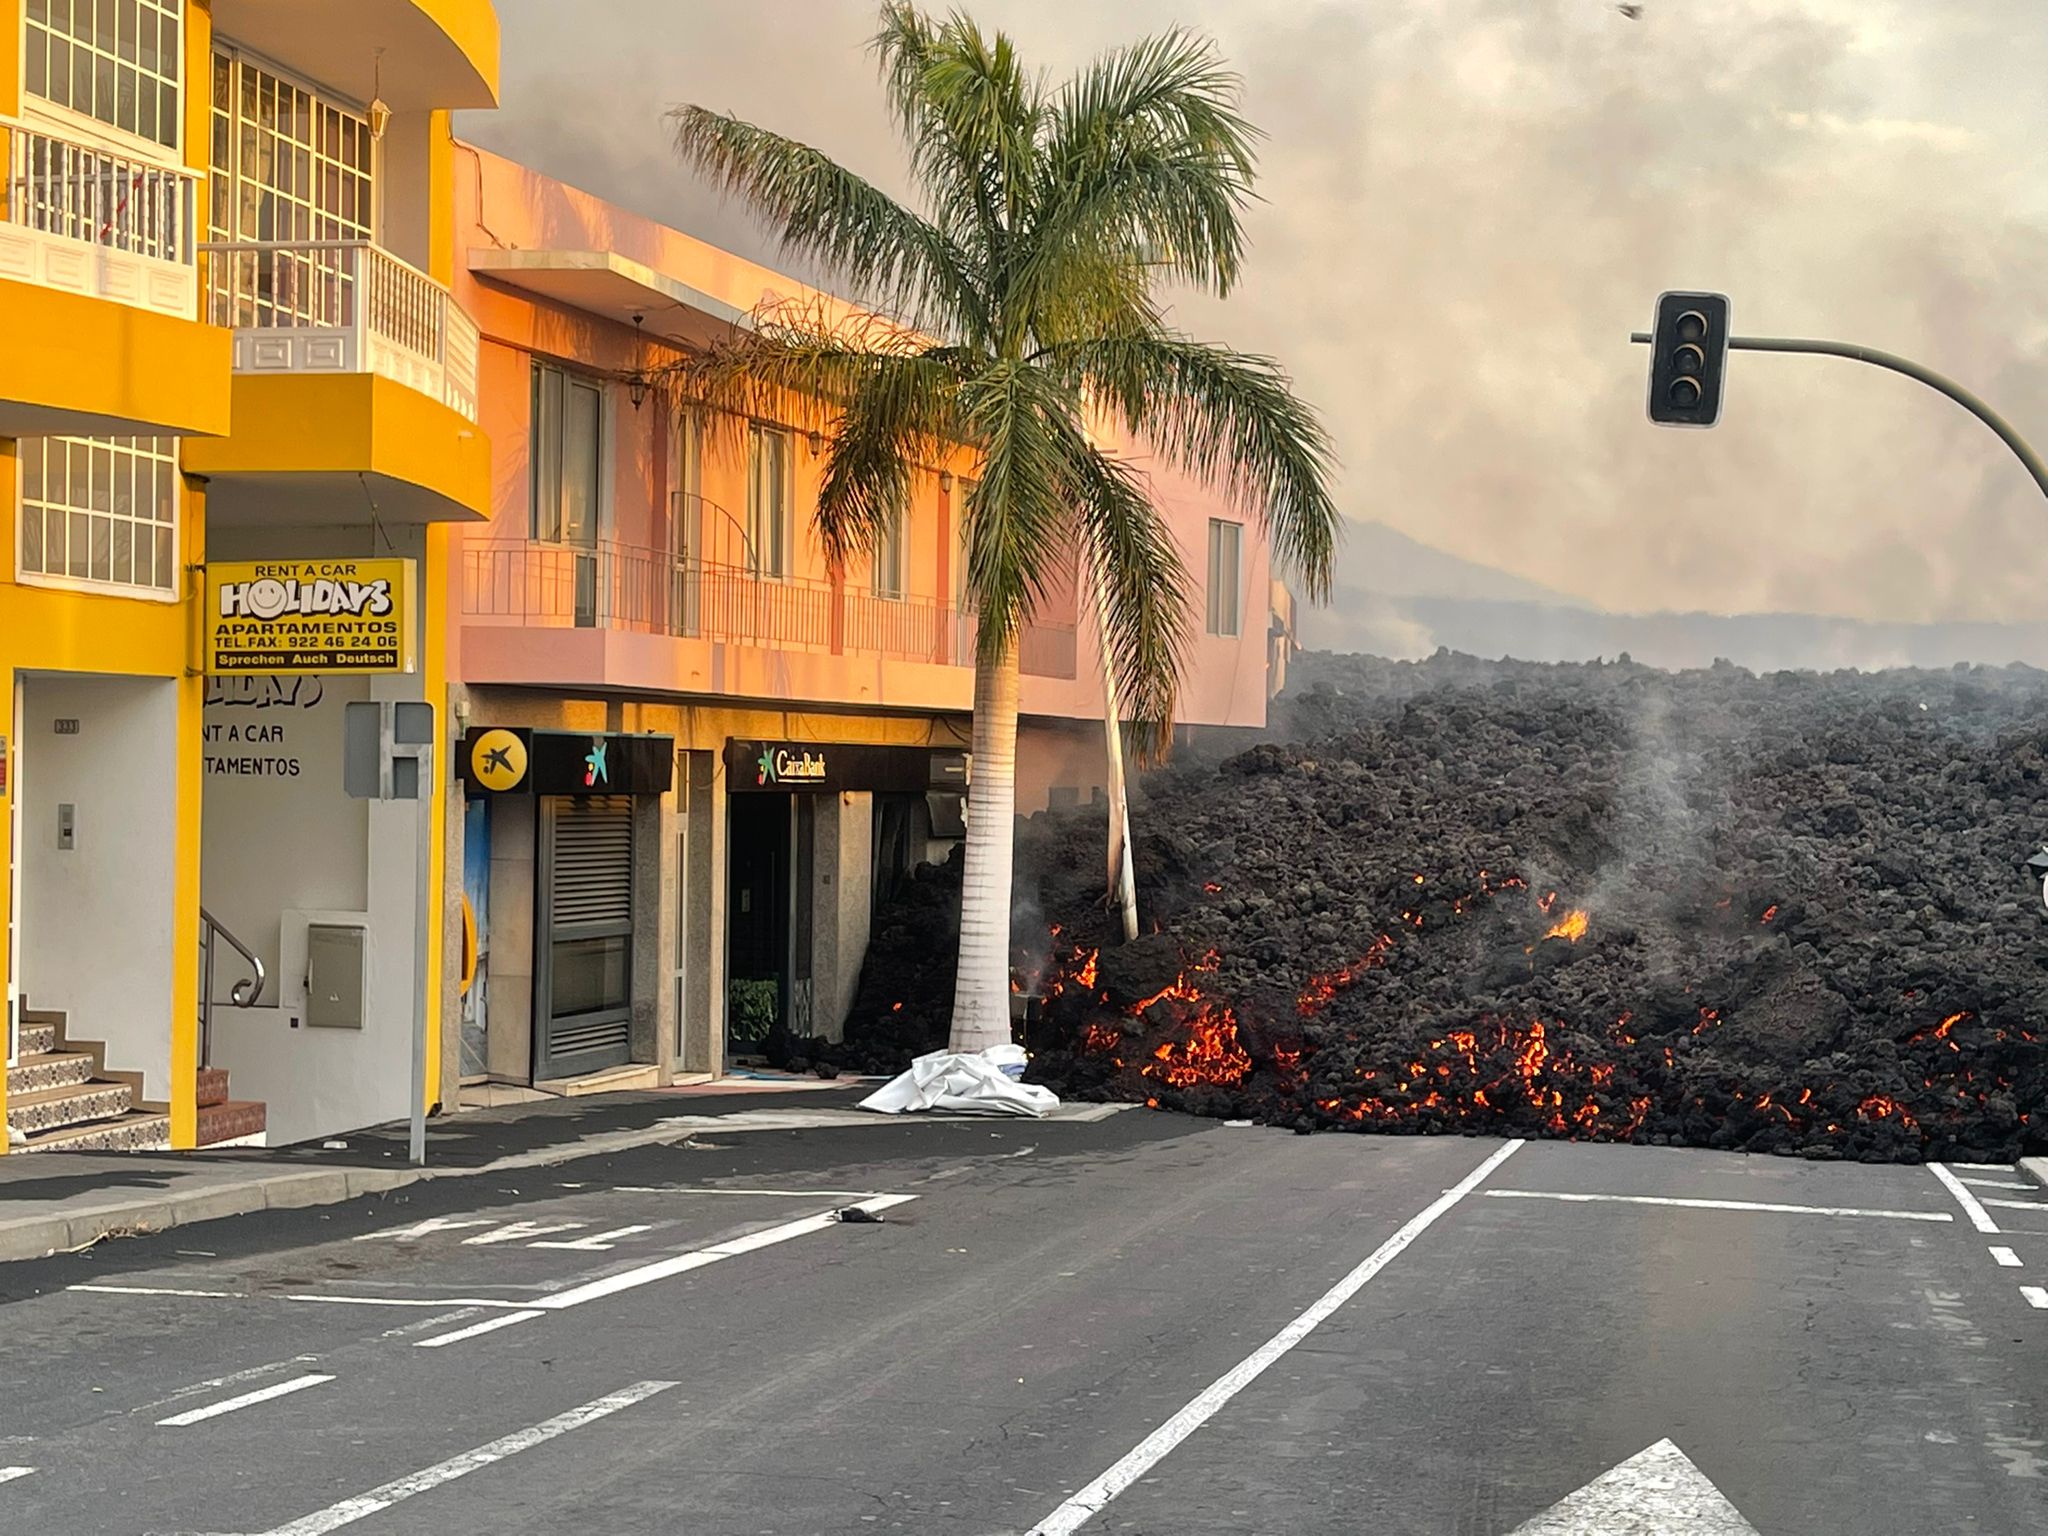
column 99, row 295
column 726, row 629
column 348, row 363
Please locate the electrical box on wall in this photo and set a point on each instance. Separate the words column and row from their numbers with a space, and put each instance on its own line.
column 336, row 955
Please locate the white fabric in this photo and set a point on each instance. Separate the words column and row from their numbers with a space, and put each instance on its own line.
column 981, row 1083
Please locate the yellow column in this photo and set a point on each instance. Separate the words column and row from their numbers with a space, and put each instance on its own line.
column 184, row 1021
column 8, row 544
column 433, row 586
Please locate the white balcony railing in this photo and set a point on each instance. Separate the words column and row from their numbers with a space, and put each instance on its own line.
column 95, row 222
column 342, row 306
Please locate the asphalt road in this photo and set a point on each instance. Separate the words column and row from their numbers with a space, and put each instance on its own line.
column 1142, row 1325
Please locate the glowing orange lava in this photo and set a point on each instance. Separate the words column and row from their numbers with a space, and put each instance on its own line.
column 1572, row 926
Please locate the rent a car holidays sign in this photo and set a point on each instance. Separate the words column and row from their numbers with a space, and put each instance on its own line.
column 310, row 616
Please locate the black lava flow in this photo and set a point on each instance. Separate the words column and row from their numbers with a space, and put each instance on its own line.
column 1780, row 914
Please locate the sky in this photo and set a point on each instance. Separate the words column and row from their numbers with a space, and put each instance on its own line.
column 1465, row 208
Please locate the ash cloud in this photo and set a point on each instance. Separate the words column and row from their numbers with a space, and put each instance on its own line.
column 1468, row 204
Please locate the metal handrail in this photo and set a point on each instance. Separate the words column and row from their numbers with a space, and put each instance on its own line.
column 244, row 993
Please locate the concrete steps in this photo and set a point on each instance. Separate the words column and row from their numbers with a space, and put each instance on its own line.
column 49, row 1069
column 61, row 1098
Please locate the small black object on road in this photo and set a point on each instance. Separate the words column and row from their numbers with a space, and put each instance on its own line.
column 856, row 1215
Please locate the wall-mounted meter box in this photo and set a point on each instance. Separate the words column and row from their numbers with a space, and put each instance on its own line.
column 336, row 964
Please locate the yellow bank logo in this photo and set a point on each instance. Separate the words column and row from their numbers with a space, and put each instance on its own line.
column 498, row 759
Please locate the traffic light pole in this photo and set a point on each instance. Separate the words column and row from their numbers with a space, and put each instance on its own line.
column 1911, row 370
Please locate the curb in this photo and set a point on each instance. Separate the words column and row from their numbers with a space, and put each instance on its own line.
column 2035, row 1168
column 40, row 1237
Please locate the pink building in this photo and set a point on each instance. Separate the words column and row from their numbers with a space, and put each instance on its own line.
column 725, row 753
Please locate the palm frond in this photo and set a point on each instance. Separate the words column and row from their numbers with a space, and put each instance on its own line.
column 1017, row 523
column 1148, row 154
column 902, row 413
column 1146, row 603
column 1228, row 419
column 819, row 210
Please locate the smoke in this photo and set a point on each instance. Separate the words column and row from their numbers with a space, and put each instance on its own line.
column 1468, row 204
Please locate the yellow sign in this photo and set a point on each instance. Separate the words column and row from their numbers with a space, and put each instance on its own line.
column 498, row 759
column 310, row 616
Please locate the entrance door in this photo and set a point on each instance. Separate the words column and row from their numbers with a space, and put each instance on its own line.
column 757, row 919
column 583, row 1003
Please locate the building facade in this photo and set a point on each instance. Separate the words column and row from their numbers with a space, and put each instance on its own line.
column 312, row 414
column 650, row 574
column 230, row 346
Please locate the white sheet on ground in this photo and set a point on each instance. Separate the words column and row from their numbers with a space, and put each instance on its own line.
column 981, row 1083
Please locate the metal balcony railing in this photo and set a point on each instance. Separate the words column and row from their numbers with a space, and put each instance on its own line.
column 650, row 591
column 342, row 306
column 97, row 222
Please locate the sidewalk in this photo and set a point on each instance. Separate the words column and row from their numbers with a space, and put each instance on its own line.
column 53, row 1201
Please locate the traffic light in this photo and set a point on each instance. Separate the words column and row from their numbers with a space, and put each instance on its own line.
column 1688, row 357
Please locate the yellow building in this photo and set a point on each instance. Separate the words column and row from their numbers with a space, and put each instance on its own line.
column 226, row 335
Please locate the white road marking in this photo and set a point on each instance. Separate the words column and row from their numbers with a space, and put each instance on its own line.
column 682, row 1263
column 1984, row 1167
column 1999, row 1184
column 597, row 1242
column 363, row 1505
column 522, row 1232
column 1979, row 1217
column 432, row 1224
column 1716, row 1205
column 246, row 1400
column 428, row 1324
column 415, row 1301
column 2036, row 1296
column 9, row 1474
column 2006, row 1258
column 488, row 1325
column 1091, row 1500
column 1655, row 1490
column 215, row 1383
column 2018, row 1205
column 776, row 1194
column 154, row 1290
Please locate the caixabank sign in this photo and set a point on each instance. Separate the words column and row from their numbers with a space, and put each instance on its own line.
column 310, row 616
column 517, row 760
column 829, row 765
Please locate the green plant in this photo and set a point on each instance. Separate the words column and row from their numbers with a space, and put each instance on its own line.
column 751, row 1008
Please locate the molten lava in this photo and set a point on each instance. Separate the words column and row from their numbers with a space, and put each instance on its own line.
column 1210, row 1054
column 1572, row 926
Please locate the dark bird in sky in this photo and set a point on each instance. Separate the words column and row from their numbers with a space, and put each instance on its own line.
column 1632, row 12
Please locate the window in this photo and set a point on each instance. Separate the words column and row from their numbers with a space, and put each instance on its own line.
column 1225, row 550
column 101, row 509
column 889, row 557
column 568, row 431
column 119, row 62
column 287, row 166
column 768, row 499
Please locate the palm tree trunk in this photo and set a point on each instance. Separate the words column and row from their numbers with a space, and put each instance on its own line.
column 981, row 988
column 1123, row 886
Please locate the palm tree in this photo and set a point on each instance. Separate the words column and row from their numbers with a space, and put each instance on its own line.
column 1018, row 316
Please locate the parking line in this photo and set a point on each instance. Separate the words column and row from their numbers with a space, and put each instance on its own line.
column 153, row 1290
column 246, row 1400
column 773, row 1194
column 2036, row 1296
column 1716, row 1205
column 682, row 1263
column 488, row 1325
column 363, row 1505
column 2006, row 1258
column 1091, row 1500
column 416, row 1301
column 9, row 1474
column 1998, row 1184
column 1979, row 1217
column 597, row 1242
column 2018, row 1205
